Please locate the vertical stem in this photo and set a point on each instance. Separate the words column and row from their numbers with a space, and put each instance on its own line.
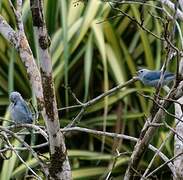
column 59, row 165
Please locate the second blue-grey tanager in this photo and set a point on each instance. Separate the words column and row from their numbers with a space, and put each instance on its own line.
column 19, row 110
column 151, row 78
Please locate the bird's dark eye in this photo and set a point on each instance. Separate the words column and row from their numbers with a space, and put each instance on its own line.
column 14, row 99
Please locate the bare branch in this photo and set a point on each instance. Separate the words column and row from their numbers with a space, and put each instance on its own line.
column 24, row 148
column 31, row 126
column 115, row 135
column 28, row 147
column 140, row 24
column 98, row 98
column 178, row 143
column 155, row 155
column 20, row 158
column 8, row 33
column 173, row 158
column 59, row 165
column 148, row 132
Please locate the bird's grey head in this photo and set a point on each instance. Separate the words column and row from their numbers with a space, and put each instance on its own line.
column 15, row 96
column 142, row 72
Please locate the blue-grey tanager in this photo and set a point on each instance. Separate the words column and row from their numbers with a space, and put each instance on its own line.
column 151, row 78
column 19, row 110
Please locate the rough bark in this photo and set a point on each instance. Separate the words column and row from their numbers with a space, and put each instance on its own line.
column 42, row 85
column 148, row 132
column 59, row 165
column 178, row 144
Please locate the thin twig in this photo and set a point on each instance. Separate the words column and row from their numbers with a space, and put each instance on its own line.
column 135, row 21
column 32, row 126
column 160, row 106
column 115, row 135
column 20, row 158
column 27, row 146
column 155, row 155
column 98, row 98
column 150, row 174
column 24, row 148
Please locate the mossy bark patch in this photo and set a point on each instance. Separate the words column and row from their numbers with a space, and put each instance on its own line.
column 48, row 92
column 37, row 14
column 56, row 162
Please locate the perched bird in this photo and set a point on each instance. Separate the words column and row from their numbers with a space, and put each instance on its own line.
column 151, row 78
column 19, row 110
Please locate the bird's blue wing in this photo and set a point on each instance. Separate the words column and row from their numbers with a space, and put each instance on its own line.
column 155, row 75
column 169, row 75
column 26, row 110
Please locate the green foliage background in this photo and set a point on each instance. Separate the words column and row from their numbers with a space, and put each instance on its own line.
column 91, row 53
